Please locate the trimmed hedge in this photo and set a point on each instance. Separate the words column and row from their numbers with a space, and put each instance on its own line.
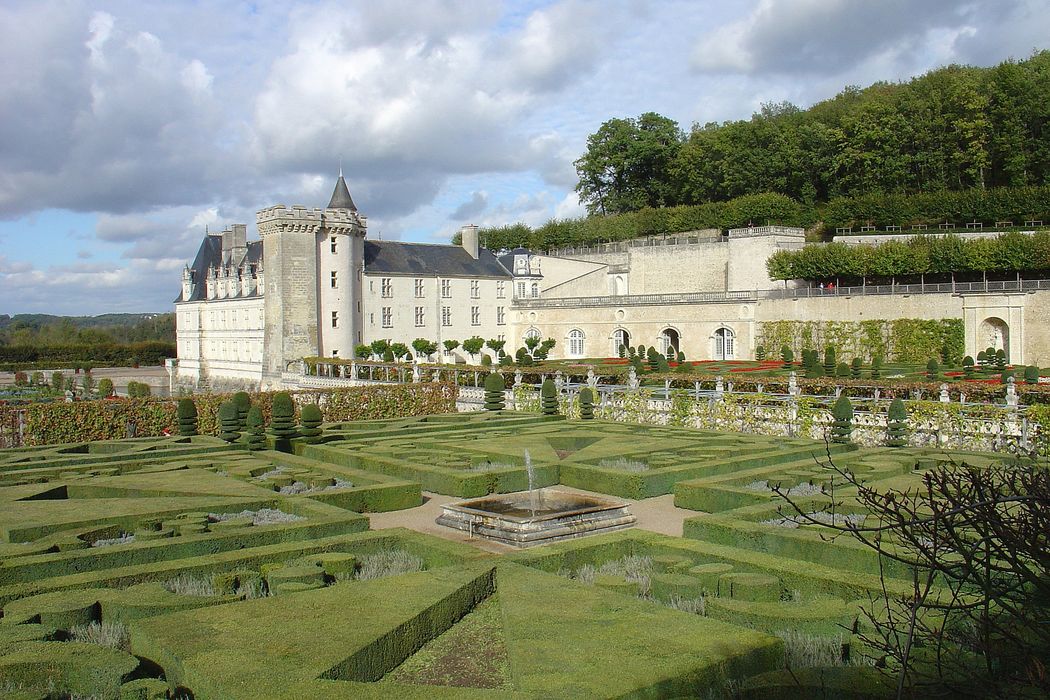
column 1010, row 252
column 82, row 421
column 1016, row 204
column 152, row 352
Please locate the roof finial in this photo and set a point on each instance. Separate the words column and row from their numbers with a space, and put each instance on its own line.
column 340, row 166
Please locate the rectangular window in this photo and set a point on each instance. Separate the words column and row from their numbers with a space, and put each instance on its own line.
column 475, row 289
column 501, row 289
column 335, row 319
column 333, row 244
column 475, row 315
column 388, row 317
column 446, row 289
column 387, row 288
column 419, row 316
column 535, row 289
column 419, row 289
column 501, row 316
column 521, row 289
column 335, row 283
column 446, row 316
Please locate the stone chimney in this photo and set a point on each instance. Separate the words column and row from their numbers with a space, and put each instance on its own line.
column 469, row 239
column 235, row 243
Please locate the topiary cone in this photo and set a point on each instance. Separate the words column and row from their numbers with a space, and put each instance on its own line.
column 229, row 422
column 310, row 419
column 494, row 387
column 243, row 402
column 586, row 404
column 282, row 425
column 549, row 398
column 254, row 423
column 187, row 417
column 897, row 424
column 842, row 427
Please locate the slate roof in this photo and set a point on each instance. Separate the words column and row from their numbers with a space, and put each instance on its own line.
column 341, row 198
column 210, row 255
column 396, row 257
column 507, row 259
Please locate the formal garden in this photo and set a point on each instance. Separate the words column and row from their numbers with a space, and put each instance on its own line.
column 234, row 558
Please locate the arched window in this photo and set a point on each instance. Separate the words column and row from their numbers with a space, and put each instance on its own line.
column 670, row 343
column 576, row 343
column 532, row 333
column 725, row 344
column 621, row 338
column 535, row 289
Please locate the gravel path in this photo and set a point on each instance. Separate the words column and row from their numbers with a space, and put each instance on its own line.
column 657, row 514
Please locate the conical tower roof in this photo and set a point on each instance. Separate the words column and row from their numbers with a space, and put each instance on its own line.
column 341, row 198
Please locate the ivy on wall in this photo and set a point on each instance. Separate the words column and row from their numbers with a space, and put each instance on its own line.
column 901, row 340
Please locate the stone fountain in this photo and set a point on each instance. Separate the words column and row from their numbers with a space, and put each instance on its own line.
column 536, row 516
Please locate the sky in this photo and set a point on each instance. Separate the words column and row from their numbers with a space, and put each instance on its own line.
column 129, row 128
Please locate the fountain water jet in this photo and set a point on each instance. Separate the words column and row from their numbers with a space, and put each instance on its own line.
column 536, row 516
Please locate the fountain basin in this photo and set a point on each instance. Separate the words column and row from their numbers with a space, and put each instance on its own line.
column 519, row 520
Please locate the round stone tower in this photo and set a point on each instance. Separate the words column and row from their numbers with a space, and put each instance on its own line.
column 314, row 261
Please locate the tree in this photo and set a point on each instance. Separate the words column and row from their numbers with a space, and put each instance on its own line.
column 399, row 351
column 450, row 346
column 787, row 355
column 105, row 387
column 549, row 397
column 422, row 346
column 243, row 402
column 362, row 351
column 897, row 424
column 473, row 345
column 933, row 370
column 310, row 418
column 627, row 165
column 186, row 414
column 282, row 424
column 496, row 346
column 58, row 381
column 256, row 436
column 855, row 367
column 494, row 388
column 977, row 541
column 842, row 426
column 586, row 404
column 379, row 347
column 229, row 422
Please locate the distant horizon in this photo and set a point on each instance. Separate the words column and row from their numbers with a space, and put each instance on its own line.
column 176, row 117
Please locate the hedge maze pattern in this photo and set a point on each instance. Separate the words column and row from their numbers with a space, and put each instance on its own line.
column 192, row 567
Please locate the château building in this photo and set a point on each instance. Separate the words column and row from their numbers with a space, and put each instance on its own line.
column 316, row 285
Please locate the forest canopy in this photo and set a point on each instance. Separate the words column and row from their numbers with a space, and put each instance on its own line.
column 954, row 128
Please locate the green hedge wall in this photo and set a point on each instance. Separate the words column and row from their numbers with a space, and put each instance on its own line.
column 899, row 340
column 759, row 209
column 1016, row 204
column 922, row 254
column 108, row 419
column 151, row 352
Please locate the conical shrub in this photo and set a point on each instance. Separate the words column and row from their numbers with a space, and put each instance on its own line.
column 842, row 427
column 586, row 404
column 243, row 402
column 830, row 363
column 876, row 367
column 229, row 422
column 254, row 423
column 282, row 424
column 494, row 387
column 549, row 398
column 897, row 424
column 186, row 412
column 933, row 370
column 968, row 367
column 855, row 367
column 310, row 419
